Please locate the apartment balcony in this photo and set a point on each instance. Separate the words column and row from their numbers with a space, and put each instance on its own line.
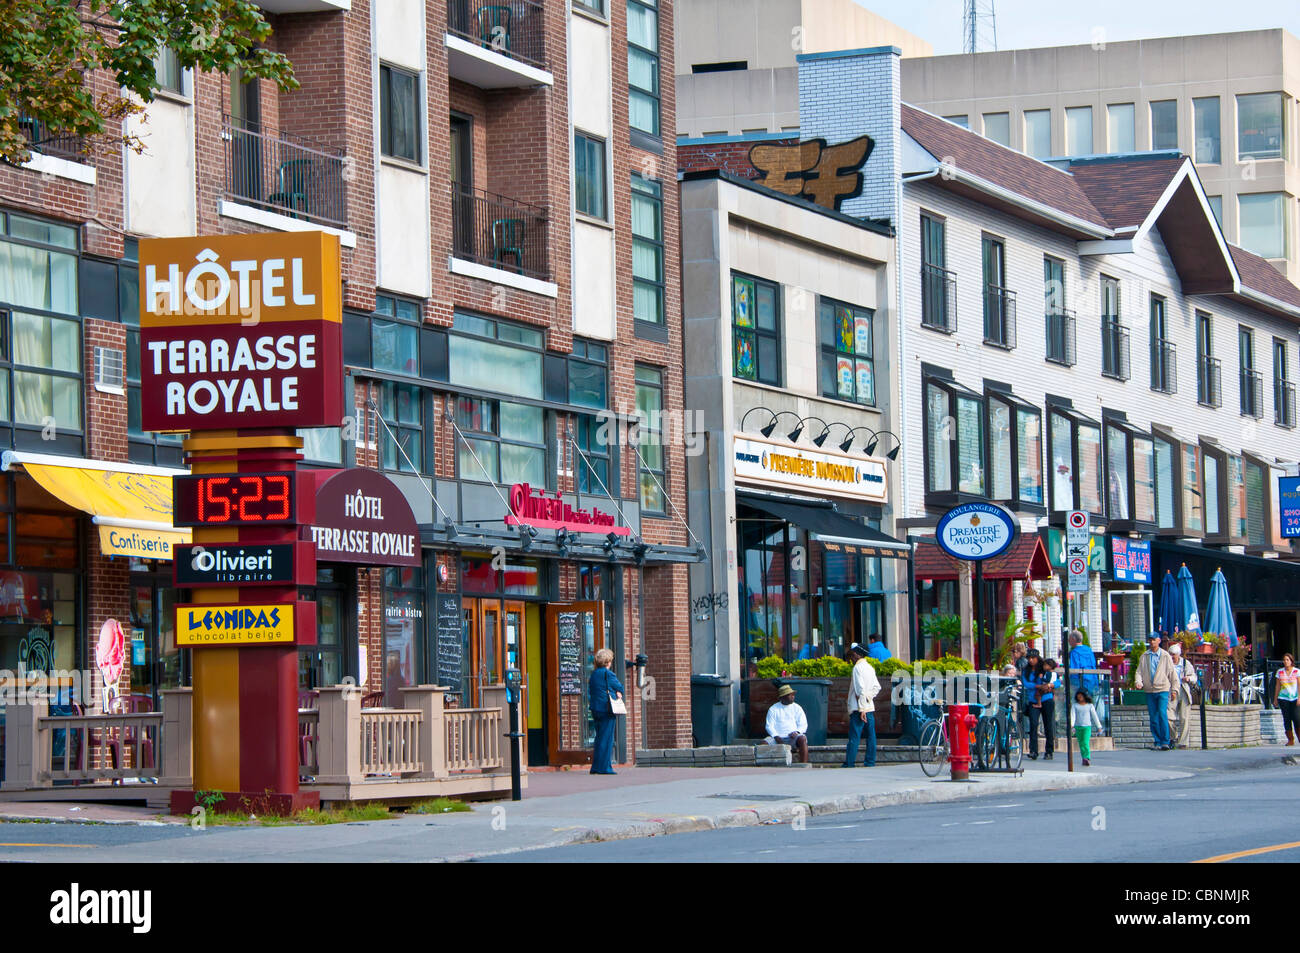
column 40, row 140
column 283, row 174
column 938, row 299
column 1209, row 381
column 1284, row 403
column 1164, row 366
column 500, row 233
column 999, row 317
column 497, row 45
column 1062, row 337
column 1115, row 351
column 1252, row 393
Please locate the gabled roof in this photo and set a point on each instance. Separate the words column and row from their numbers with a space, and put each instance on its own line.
column 1260, row 279
column 1125, row 190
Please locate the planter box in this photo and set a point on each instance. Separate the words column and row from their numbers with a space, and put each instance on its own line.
column 1225, row 725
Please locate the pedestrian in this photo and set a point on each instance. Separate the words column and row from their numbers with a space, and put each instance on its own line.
column 1085, row 719
column 1155, row 675
column 603, row 688
column 1031, row 679
column 877, row 648
column 1082, row 661
column 1286, row 692
column 787, row 723
column 1047, row 699
column 1180, row 697
column 863, row 688
column 1018, row 658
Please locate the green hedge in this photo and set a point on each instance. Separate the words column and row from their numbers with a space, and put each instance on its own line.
column 831, row 667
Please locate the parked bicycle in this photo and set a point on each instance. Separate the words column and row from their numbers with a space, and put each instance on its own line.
column 998, row 741
column 932, row 748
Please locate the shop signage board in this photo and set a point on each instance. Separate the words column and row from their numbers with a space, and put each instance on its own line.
column 1130, row 559
column 1288, row 496
column 976, row 531
column 570, row 653
column 763, row 462
column 448, row 641
column 245, row 564
column 246, row 624
column 530, row 506
column 241, row 331
column 363, row 517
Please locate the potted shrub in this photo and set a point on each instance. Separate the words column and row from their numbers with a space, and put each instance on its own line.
column 944, row 631
column 1016, row 632
column 1218, row 643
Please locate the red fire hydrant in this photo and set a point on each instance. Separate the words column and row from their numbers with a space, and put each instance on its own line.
column 960, row 723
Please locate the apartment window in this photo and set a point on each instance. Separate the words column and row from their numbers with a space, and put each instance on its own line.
column 491, row 355
column 1163, row 353
column 401, row 406
column 954, row 438
column 1078, row 131
column 168, row 73
column 938, row 286
column 595, row 6
column 643, row 65
column 1283, row 388
column 1038, row 133
column 650, row 408
column 399, row 113
column 594, row 461
column 1257, row 524
column 1015, row 436
column 589, row 175
column 1130, row 473
column 1114, row 335
column 1117, row 474
column 1260, row 129
column 395, row 336
column 1261, row 223
column 1164, row 124
column 999, row 302
column 756, row 329
column 504, row 442
column 1216, row 206
column 1210, row 464
column 647, row 251
column 1205, row 118
column 1119, row 127
column 997, row 126
column 589, row 375
column 1193, row 498
column 962, row 120
column 1209, row 389
column 848, row 369
column 1252, row 403
column 1165, row 455
column 1061, row 333
column 1074, row 448
column 1235, row 484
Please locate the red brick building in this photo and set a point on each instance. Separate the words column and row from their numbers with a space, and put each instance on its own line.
column 504, row 195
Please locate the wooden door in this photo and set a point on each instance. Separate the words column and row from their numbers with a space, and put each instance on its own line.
column 470, row 634
column 574, row 633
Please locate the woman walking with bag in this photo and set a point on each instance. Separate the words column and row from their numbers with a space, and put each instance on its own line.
column 605, row 696
column 1286, row 692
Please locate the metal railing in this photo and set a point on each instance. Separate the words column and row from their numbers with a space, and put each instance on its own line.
column 1284, row 403
column 283, row 174
column 1252, row 393
column 1209, row 381
column 1114, row 349
column 1164, row 368
column 515, row 28
column 938, row 299
column 999, row 317
column 40, row 140
column 499, row 232
column 473, row 738
column 1061, row 337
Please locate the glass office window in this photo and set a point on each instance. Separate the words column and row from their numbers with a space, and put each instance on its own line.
column 1038, row 133
column 997, row 126
column 1205, row 118
column 1078, row 131
column 1119, row 127
column 1261, row 223
column 1164, row 124
column 1260, row 128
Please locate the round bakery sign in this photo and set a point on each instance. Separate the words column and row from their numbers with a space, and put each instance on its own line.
column 976, row 531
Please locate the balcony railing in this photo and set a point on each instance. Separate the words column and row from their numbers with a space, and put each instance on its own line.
column 1114, row 349
column 499, row 232
column 1061, row 337
column 40, row 140
column 283, row 174
column 999, row 317
column 1284, row 403
column 938, row 299
column 1164, row 367
column 514, row 28
column 1209, row 381
column 1252, row 393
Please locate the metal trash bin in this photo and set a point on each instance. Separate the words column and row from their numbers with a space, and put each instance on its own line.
column 710, row 700
column 813, row 694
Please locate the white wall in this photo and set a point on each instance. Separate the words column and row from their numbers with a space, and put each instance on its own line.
column 590, row 111
column 160, row 183
column 593, row 281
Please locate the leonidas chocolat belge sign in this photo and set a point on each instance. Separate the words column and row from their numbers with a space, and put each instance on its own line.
column 241, row 331
column 362, row 517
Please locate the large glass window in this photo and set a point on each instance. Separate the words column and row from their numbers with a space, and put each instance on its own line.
column 647, row 251
column 492, row 355
column 402, row 408
column 399, row 113
column 1260, row 127
column 756, row 329
column 1117, row 474
column 643, row 65
column 1119, row 127
column 1089, row 456
column 504, row 442
column 1261, row 223
column 1144, row 480
column 1164, row 124
column 1213, row 522
column 1078, row 131
column 1256, row 515
column 1029, row 454
column 1076, row 454
column 954, row 428
column 1193, row 500
column 588, row 375
column 650, row 407
column 997, row 126
column 593, row 463
column 1205, row 116
column 589, row 175
column 1236, row 486
column 1015, row 437
column 1038, row 133
column 404, row 595
column 395, row 337
column 1166, row 487
column 847, row 367
column 1001, row 442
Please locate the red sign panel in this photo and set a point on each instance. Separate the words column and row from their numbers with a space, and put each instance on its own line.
column 532, row 507
column 362, row 517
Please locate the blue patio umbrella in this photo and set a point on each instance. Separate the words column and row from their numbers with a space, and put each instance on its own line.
column 1171, row 606
column 1187, row 591
column 1218, row 611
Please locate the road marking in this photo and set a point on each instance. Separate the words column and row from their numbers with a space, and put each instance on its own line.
column 980, row 822
column 953, row 824
column 90, row 846
column 1221, row 858
column 1008, row 805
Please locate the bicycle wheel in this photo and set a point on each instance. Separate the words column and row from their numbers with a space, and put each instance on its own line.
column 986, row 742
column 932, row 748
column 1014, row 751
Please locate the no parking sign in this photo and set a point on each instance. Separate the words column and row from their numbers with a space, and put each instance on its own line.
column 1076, row 550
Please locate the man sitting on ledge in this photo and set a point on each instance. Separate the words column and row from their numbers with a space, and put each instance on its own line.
column 787, row 723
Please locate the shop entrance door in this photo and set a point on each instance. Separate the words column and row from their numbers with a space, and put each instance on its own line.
column 496, row 642
column 574, row 633
column 848, row 619
column 151, row 651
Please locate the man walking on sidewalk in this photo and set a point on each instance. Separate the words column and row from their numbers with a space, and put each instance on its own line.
column 1180, row 697
column 863, row 688
column 1155, row 676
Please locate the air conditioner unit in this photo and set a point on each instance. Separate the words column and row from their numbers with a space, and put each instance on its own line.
column 110, row 365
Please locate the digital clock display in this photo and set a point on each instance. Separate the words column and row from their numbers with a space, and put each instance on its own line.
column 234, row 499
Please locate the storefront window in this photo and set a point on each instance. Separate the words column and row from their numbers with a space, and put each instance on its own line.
column 847, row 368
column 403, row 630
column 38, row 624
column 762, row 585
column 519, row 577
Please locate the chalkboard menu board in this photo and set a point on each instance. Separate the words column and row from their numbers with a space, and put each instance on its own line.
column 447, row 641
column 566, row 624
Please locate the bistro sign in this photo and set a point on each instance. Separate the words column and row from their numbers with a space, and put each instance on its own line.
column 530, row 506
column 362, row 517
column 759, row 461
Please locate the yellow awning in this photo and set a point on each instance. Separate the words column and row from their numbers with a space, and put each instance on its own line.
column 131, row 505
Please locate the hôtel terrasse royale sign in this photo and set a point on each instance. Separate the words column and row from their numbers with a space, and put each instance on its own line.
column 775, row 464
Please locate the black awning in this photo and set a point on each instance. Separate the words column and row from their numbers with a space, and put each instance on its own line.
column 835, row 531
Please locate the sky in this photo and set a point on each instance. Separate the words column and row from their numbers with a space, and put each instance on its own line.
column 1029, row 23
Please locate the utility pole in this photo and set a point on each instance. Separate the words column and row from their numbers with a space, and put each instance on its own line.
column 979, row 26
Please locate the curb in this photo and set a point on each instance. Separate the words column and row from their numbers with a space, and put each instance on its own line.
column 30, row 819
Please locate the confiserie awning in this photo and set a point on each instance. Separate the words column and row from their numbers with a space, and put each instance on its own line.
column 131, row 505
column 834, row 530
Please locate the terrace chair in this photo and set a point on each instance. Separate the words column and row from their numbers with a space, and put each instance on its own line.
column 494, row 27
column 294, row 176
column 508, row 239
column 372, row 700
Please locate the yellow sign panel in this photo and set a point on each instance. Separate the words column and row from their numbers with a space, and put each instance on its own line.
column 234, row 624
column 140, row 543
column 240, row 279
